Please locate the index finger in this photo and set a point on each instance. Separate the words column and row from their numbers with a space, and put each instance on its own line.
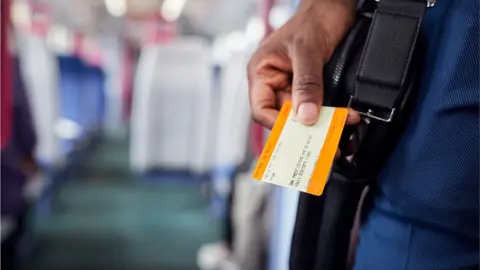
column 263, row 104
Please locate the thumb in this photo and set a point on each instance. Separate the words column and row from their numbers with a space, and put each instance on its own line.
column 307, row 84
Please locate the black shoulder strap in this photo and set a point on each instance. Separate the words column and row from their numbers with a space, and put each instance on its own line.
column 383, row 82
column 387, row 57
column 322, row 227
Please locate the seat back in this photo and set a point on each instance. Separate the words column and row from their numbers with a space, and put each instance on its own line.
column 171, row 107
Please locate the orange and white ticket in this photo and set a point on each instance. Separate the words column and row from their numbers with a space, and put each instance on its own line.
column 299, row 156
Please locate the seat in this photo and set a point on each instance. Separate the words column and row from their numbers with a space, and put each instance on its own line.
column 43, row 92
column 171, row 112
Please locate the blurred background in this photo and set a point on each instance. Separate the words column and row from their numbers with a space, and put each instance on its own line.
column 126, row 137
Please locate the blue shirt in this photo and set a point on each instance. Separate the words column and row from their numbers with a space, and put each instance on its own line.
column 426, row 208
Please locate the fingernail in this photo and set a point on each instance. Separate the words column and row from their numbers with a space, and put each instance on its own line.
column 307, row 113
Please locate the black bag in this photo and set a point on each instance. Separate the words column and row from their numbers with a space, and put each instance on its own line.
column 373, row 71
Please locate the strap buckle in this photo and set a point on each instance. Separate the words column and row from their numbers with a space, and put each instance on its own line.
column 370, row 113
column 430, row 3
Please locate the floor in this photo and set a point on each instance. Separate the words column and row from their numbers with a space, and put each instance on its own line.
column 110, row 220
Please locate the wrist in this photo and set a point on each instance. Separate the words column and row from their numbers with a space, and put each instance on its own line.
column 347, row 5
column 337, row 12
column 332, row 17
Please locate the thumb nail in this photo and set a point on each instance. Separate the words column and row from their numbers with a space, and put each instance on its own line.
column 307, row 113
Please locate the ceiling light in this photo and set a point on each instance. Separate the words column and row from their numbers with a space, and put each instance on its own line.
column 59, row 39
column 21, row 14
column 117, row 8
column 171, row 9
column 278, row 16
column 255, row 29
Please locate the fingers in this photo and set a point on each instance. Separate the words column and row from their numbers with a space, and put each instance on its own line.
column 338, row 154
column 348, row 146
column 283, row 96
column 266, row 101
column 268, row 90
column 353, row 118
column 263, row 104
column 307, row 87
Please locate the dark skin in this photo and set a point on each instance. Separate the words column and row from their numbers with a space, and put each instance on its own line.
column 288, row 64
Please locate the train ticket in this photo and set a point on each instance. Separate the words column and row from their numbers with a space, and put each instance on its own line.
column 299, row 156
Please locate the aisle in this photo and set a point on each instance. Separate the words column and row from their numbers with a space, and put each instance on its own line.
column 110, row 221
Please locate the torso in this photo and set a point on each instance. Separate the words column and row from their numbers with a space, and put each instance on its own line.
column 426, row 206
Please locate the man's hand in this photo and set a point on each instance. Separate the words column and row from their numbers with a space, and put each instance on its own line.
column 289, row 63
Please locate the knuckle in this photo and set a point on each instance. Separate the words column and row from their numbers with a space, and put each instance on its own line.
column 307, row 83
column 315, row 44
column 251, row 64
column 307, row 37
column 300, row 40
column 257, row 117
column 306, row 95
column 255, row 65
column 253, row 70
column 257, row 113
